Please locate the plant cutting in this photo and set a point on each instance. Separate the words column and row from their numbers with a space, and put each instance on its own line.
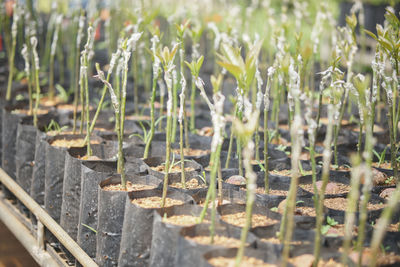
column 36, row 69
column 387, row 47
column 156, row 73
column 53, row 50
column 14, row 30
column 119, row 106
column 245, row 133
column 81, row 23
column 166, row 57
column 84, row 87
column 195, row 33
column 244, row 73
column 182, row 116
column 218, row 120
column 335, row 90
column 349, row 47
column 296, row 132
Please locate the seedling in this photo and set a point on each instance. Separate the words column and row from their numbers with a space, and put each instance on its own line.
column 330, row 222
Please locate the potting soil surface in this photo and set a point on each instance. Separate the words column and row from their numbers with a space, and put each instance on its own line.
column 261, row 190
column 129, row 187
column 275, row 240
column 26, row 111
column 239, row 219
column 331, row 188
column 192, row 184
column 246, row 261
column 219, row 240
column 192, row 152
column 175, row 168
column 78, row 142
column 183, row 220
column 340, row 203
column 155, row 202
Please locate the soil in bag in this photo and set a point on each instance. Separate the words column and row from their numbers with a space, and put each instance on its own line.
column 111, row 210
column 138, row 223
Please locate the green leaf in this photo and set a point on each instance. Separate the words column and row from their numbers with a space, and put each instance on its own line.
column 331, row 221
column 371, row 34
column 325, row 229
column 233, row 69
column 90, row 228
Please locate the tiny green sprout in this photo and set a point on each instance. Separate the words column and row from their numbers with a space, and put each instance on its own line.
column 389, row 180
column 195, row 66
column 182, row 28
column 274, row 209
column 166, row 56
column 203, row 177
column 384, row 249
column 281, row 148
column 259, row 163
column 90, row 228
column 351, row 21
column 62, row 93
column 299, row 202
column 381, row 156
column 271, row 135
column 216, row 82
column 243, row 70
column 329, row 223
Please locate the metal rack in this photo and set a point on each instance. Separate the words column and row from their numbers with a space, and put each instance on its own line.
column 31, row 236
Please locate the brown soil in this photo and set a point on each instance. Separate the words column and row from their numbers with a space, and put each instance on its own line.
column 377, row 129
column 239, row 219
column 275, row 240
column 46, row 102
column 384, row 165
column 338, row 230
column 387, row 193
column 340, row 168
column 281, row 141
column 383, row 259
column 305, row 211
column 325, row 121
column 191, row 152
column 26, row 111
column 78, row 142
column 289, row 173
column 224, row 201
column 129, row 187
column 206, row 131
column 331, row 188
column 300, row 211
column 286, row 127
column 307, row 260
column 219, row 240
column 394, row 227
column 183, row 220
column 247, row 261
column 282, row 172
column 192, row 184
column 175, row 168
column 261, row 190
column 70, row 107
column 138, row 117
column 340, row 203
column 89, row 158
column 54, row 133
column 155, row 202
